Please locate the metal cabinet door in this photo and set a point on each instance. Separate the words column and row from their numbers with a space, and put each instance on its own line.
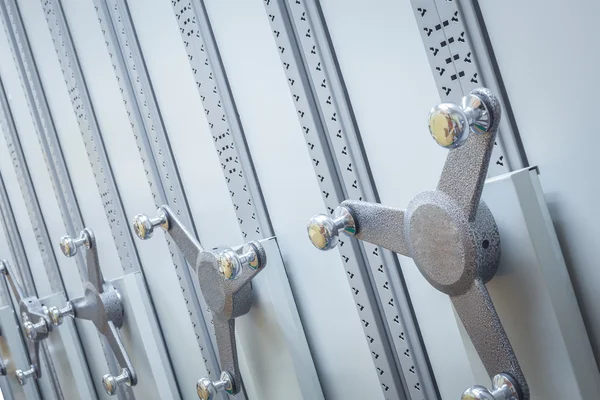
column 393, row 64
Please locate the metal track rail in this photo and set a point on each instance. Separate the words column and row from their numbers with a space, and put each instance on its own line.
column 460, row 61
column 48, row 138
column 157, row 158
column 223, row 119
column 94, row 144
column 342, row 169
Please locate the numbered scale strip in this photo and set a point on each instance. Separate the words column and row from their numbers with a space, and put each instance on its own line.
column 155, row 151
column 457, row 68
column 334, row 143
column 94, row 144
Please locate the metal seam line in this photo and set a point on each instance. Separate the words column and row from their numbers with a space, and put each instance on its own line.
column 156, row 155
column 88, row 124
column 455, row 68
column 327, row 121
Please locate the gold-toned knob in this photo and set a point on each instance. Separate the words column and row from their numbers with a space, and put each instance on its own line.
column 207, row 389
column 477, row 393
column 450, row 124
column 69, row 246
column 144, row 225
column 323, row 230
column 57, row 315
column 504, row 387
column 229, row 264
column 111, row 383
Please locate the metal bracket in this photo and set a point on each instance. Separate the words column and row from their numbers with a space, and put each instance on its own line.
column 35, row 324
column 101, row 304
column 15, row 352
column 225, row 278
column 449, row 233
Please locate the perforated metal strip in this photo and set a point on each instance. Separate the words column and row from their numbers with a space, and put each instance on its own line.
column 22, row 268
column 455, row 68
column 223, row 119
column 13, row 237
column 157, row 158
column 49, row 142
column 94, row 144
column 43, row 124
column 31, row 201
column 37, row 221
column 342, row 171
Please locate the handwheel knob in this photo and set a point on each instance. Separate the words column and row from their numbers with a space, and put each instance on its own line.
column 229, row 264
column 33, row 331
column 504, row 387
column 323, row 230
column 111, row 383
column 69, row 246
column 450, row 124
column 57, row 315
column 207, row 389
column 144, row 225
column 477, row 393
column 24, row 376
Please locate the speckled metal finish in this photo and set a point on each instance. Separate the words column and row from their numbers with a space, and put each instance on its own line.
column 454, row 240
column 466, row 167
column 226, row 298
column 32, row 313
column 102, row 304
column 477, row 312
column 449, row 250
column 376, row 223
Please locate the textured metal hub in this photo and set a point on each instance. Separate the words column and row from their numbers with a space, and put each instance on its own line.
column 447, row 248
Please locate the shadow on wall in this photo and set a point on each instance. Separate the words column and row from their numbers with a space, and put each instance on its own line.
column 554, row 206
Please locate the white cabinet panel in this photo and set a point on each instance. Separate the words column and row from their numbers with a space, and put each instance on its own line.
column 549, row 62
column 391, row 88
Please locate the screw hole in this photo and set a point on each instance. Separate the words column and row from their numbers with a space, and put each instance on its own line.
column 485, row 244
